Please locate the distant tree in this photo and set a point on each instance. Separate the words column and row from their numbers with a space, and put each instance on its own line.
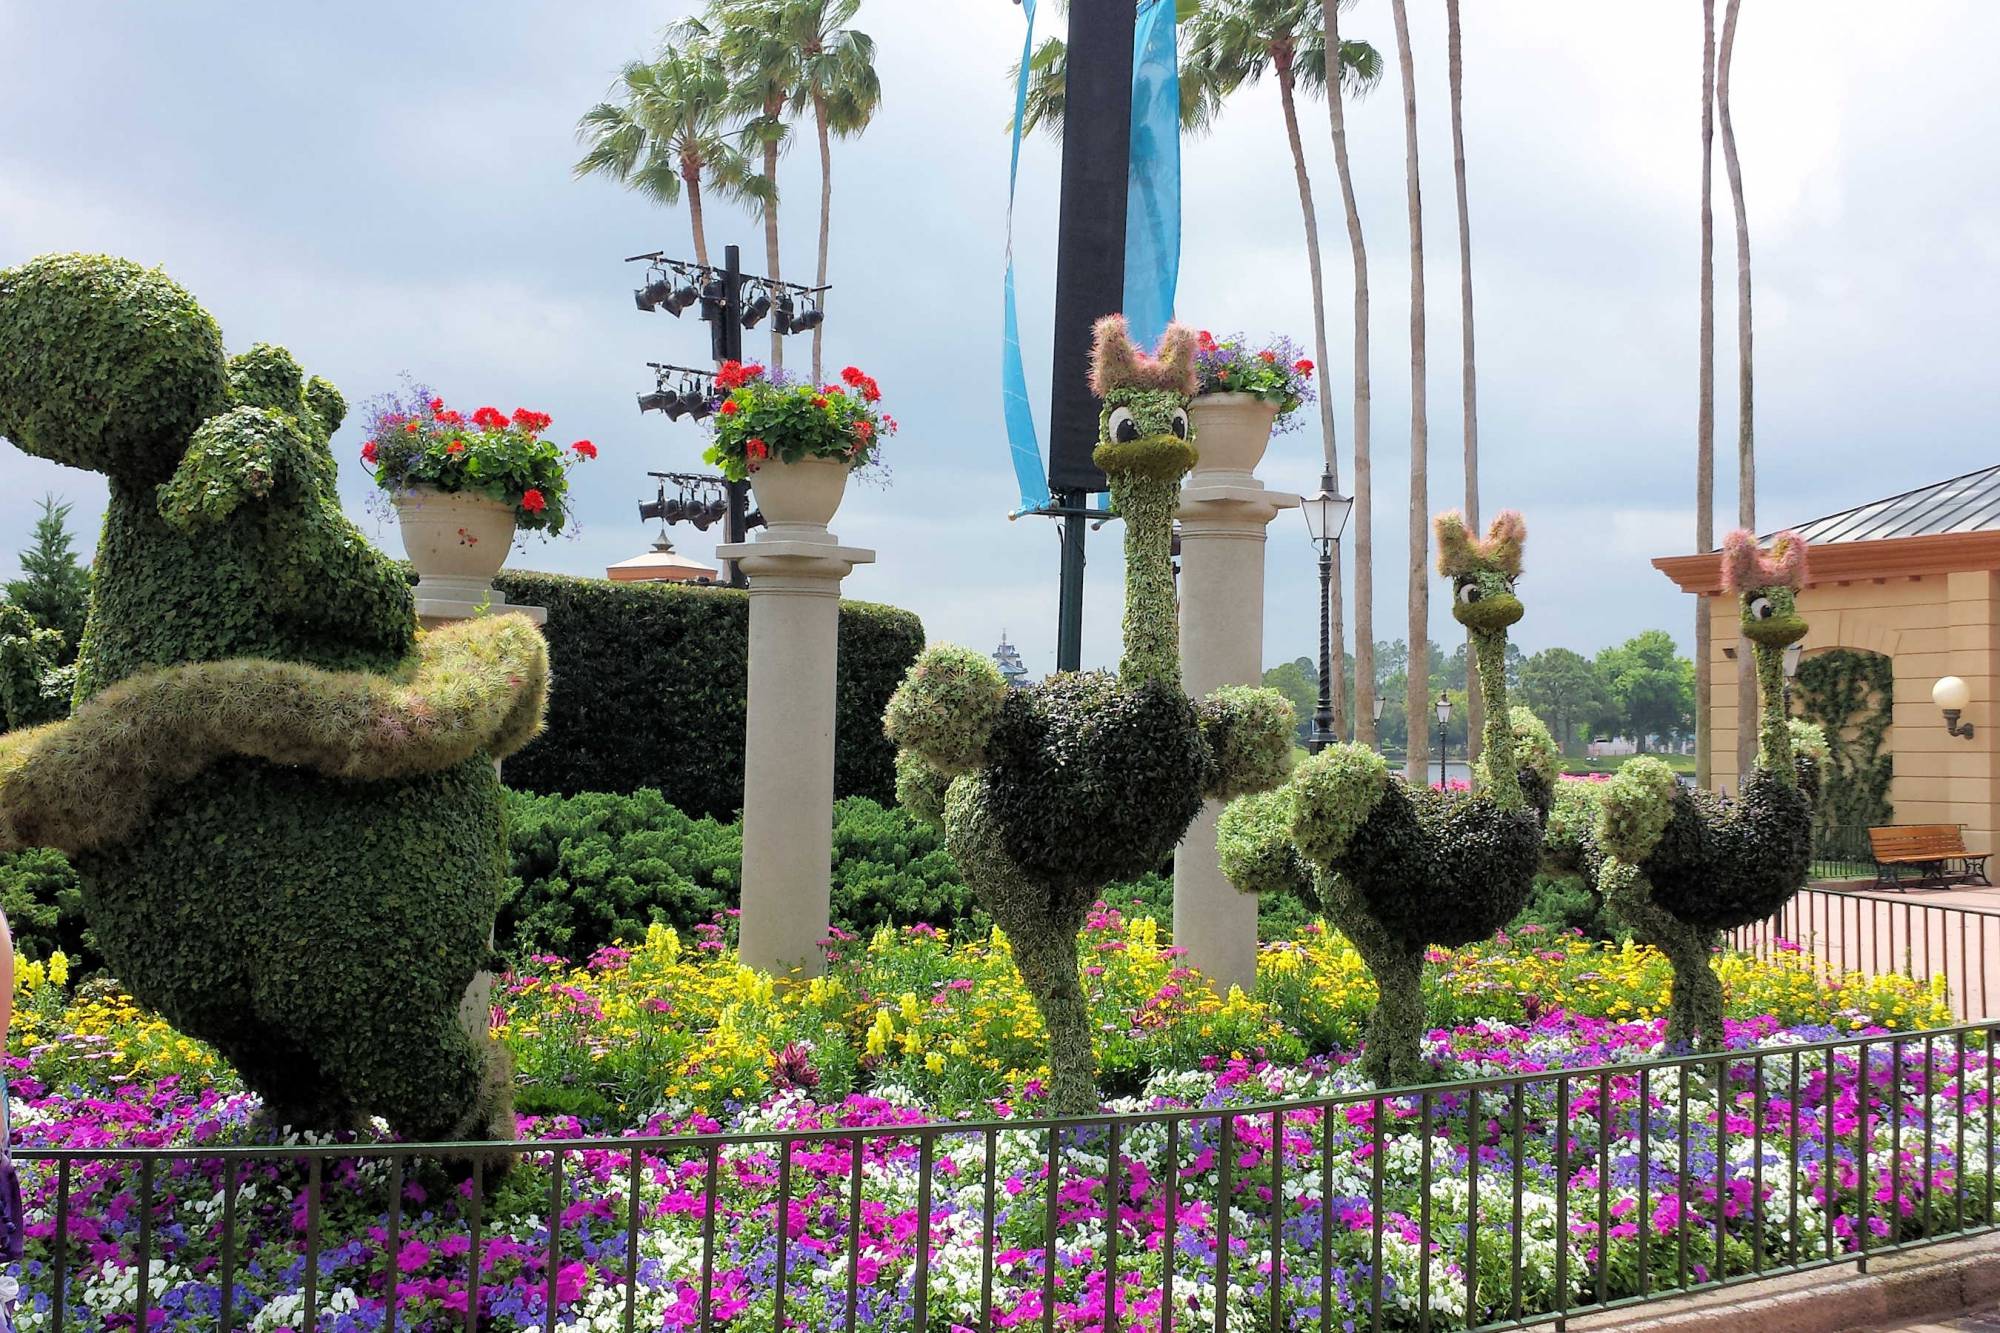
column 34, row 685
column 54, row 588
column 1651, row 685
column 1566, row 691
column 1298, row 681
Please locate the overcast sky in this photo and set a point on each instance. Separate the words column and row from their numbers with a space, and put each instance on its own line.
column 386, row 188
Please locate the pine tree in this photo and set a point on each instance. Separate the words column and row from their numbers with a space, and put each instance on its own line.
column 53, row 588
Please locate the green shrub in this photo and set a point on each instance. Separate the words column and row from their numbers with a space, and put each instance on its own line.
column 648, row 691
column 43, row 900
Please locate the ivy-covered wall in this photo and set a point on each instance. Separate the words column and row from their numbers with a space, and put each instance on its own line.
column 1849, row 692
column 648, row 689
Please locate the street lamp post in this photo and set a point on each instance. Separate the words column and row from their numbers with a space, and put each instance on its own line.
column 1378, row 701
column 1793, row 652
column 1326, row 518
column 1444, row 720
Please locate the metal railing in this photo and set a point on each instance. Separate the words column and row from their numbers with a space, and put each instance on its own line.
column 1496, row 1202
column 1878, row 935
column 1841, row 851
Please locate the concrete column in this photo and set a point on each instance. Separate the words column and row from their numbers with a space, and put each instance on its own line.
column 788, row 743
column 1223, row 517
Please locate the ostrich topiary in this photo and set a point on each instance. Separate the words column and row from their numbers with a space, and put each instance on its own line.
column 1680, row 866
column 1051, row 792
column 1400, row 868
column 280, row 798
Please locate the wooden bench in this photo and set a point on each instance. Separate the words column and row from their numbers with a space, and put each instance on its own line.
column 1936, row 852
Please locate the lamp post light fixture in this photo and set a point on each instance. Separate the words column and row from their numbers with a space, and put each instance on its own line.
column 1326, row 518
column 1376, row 708
column 1793, row 652
column 1443, row 709
column 1951, row 695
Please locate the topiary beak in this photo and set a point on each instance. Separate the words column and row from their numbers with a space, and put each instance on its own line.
column 1777, row 632
column 1494, row 611
column 1162, row 457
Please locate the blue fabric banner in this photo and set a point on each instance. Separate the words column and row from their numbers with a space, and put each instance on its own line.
column 1152, row 224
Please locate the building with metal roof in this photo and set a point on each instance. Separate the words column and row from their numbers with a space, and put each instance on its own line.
column 1910, row 583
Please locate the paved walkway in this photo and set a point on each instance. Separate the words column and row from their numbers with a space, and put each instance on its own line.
column 1978, row 1321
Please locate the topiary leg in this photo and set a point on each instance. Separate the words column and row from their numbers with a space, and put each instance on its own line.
column 1393, row 1055
column 1047, row 962
column 1694, row 1011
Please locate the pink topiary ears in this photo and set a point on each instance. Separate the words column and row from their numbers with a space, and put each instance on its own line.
column 1459, row 552
column 1116, row 363
column 1745, row 566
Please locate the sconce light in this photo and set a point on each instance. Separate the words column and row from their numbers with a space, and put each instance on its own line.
column 1951, row 696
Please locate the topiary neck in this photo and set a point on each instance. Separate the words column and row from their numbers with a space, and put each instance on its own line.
column 1774, row 732
column 1503, row 777
column 1152, row 629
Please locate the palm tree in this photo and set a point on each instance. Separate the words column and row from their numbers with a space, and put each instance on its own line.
column 1704, row 431
column 836, row 78
column 667, row 132
column 1746, row 454
column 1048, row 80
column 763, row 69
column 1474, row 704
column 1364, row 484
column 1233, row 43
column 1417, row 698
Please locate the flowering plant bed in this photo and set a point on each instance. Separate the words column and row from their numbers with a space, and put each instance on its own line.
column 414, row 440
column 1275, row 372
column 765, row 416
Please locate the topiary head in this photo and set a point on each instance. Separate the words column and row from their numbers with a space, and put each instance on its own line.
column 1767, row 585
column 1482, row 572
column 109, row 366
column 1143, row 430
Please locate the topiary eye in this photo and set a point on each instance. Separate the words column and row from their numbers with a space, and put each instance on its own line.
column 1123, row 428
column 1180, row 422
column 1469, row 593
column 1761, row 608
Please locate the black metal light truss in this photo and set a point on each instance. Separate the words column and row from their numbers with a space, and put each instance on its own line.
column 700, row 499
column 675, row 284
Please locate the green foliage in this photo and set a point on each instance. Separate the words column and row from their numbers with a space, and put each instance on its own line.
column 319, row 934
column 1151, row 627
column 1569, row 839
column 1274, row 372
column 53, row 588
column 759, row 422
column 946, row 708
column 1333, row 794
column 31, row 672
column 1253, row 841
column 920, row 789
column 1721, row 867
column 1566, row 902
column 288, row 823
column 1534, row 749
column 110, row 366
column 1566, row 690
column 1247, row 732
column 474, row 689
column 649, row 683
column 588, row 870
column 1092, row 781
column 1634, row 808
column 1650, row 684
column 43, row 902
column 890, row 868
column 1298, row 681
column 1849, row 693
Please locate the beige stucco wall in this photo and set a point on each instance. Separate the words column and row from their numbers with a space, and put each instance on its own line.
column 1929, row 626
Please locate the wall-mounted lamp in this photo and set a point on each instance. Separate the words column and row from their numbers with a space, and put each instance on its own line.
column 1951, row 695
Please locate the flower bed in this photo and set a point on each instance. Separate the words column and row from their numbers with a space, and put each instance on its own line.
column 906, row 1026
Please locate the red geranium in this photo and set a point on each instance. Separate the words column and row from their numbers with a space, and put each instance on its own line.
column 490, row 418
column 735, row 374
column 531, row 421
column 532, row 501
column 1303, row 366
column 455, row 447
column 368, row 452
column 1268, row 356
column 584, row 449
column 728, row 407
column 755, row 449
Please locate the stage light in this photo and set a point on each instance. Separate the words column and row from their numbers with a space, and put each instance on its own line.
column 808, row 319
column 711, row 299
column 659, row 400
column 695, row 403
column 781, row 318
column 649, row 297
column 756, row 310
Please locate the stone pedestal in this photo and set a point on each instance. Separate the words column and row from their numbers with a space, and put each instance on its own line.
column 442, row 600
column 1223, row 518
column 788, row 743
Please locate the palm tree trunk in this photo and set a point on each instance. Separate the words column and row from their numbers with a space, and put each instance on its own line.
column 771, row 109
column 1417, row 697
column 825, row 215
column 1336, row 686
column 1475, row 700
column 1746, row 452
column 692, row 179
column 1364, row 517
column 1704, row 431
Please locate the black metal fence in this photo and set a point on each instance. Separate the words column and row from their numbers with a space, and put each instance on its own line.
column 1841, row 851
column 1877, row 935
column 1509, row 1200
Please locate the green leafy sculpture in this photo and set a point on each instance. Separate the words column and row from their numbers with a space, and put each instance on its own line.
column 1400, row 868
column 1680, row 866
column 1063, row 787
column 279, row 796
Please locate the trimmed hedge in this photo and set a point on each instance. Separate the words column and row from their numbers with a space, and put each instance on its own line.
column 649, row 682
